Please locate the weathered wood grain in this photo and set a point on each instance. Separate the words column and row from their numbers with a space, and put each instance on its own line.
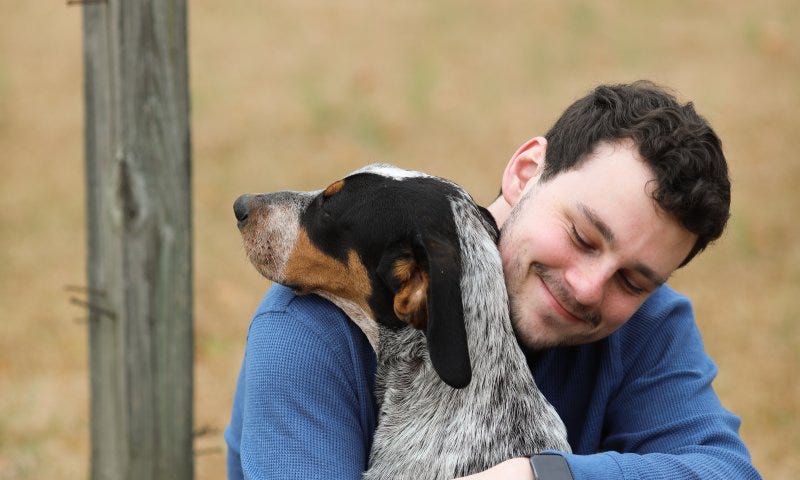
column 138, row 172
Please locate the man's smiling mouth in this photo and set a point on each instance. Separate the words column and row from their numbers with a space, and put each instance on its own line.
column 561, row 306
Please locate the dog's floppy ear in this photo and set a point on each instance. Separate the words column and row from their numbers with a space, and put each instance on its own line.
column 426, row 280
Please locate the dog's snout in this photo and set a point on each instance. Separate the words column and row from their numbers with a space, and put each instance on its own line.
column 241, row 208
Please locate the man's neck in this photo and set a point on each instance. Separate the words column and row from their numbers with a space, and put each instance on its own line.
column 500, row 210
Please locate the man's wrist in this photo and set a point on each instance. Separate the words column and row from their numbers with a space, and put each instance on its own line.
column 550, row 467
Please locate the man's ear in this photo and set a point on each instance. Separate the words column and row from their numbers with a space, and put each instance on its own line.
column 526, row 164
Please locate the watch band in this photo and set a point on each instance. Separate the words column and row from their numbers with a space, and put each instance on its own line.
column 550, row 467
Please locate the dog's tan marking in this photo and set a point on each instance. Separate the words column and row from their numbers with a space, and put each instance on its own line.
column 333, row 188
column 410, row 302
column 310, row 270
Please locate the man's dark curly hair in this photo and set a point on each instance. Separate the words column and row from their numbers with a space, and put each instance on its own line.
column 679, row 145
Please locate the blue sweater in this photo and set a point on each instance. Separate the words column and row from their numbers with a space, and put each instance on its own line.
column 637, row 405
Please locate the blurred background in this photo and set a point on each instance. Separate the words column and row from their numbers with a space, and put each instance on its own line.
column 296, row 93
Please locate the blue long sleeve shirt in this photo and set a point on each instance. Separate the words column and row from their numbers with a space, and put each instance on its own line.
column 637, row 404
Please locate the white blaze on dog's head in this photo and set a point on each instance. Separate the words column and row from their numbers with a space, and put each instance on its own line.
column 389, row 171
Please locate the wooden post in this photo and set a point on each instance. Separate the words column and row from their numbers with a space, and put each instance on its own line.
column 139, row 238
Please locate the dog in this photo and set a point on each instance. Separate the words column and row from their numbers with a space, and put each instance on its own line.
column 413, row 260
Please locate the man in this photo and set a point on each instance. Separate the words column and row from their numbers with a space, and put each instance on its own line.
column 626, row 187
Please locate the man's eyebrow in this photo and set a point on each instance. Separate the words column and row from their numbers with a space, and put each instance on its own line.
column 608, row 235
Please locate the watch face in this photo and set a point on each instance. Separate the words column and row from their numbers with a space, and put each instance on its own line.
column 550, row 467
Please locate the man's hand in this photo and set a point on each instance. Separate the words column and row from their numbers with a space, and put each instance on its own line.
column 514, row 469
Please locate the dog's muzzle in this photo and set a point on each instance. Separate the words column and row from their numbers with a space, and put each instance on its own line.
column 269, row 224
column 248, row 205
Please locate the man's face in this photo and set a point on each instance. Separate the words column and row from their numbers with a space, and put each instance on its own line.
column 583, row 250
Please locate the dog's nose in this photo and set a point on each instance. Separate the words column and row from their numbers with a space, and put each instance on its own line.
column 241, row 208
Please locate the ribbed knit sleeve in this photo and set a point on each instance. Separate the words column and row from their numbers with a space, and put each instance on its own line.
column 651, row 397
column 303, row 406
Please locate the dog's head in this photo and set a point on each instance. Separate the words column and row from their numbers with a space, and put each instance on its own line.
column 382, row 238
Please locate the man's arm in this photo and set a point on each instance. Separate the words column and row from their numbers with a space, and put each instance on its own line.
column 664, row 419
column 514, row 469
column 653, row 409
column 302, row 406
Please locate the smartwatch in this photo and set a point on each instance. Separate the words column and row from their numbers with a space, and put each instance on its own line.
column 550, row 467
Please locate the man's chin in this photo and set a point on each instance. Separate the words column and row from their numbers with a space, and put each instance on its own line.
column 541, row 337
column 538, row 345
column 532, row 337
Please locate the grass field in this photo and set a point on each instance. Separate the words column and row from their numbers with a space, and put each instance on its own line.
column 295, row 93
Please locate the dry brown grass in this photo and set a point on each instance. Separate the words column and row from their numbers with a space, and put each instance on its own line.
column 294, row 93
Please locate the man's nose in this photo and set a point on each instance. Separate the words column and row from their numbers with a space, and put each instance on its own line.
column 588, row 281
